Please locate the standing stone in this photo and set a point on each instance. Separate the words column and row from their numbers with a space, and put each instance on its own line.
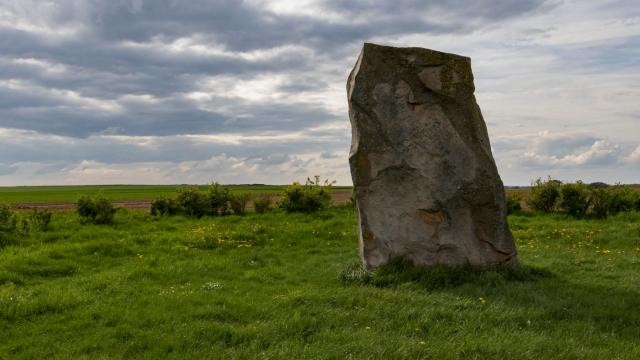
column 426, row 185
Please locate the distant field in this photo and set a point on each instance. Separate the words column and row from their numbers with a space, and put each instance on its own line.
column 122, row 193
column 43, row 194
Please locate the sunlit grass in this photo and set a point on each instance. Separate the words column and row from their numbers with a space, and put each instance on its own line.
column 288, row 286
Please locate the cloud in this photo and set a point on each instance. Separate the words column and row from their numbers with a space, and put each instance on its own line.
column 232, row 158
column 634, row 157
column 140, row 89
column 569, row 156
column 561, row 150
column 77, row 63
column 30, row 146
column 222, row 168
column 597, row 153
column 7, row 169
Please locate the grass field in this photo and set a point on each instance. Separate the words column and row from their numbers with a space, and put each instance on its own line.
column 31, row 194
column 45, row 194
column 267, row 286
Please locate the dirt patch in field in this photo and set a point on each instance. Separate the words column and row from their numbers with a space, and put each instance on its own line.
column 142, row 204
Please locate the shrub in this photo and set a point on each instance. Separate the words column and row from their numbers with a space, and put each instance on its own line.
column 192, row 201
column 622, row 198
column 310, row 197
column 8, row 226
column 239, row 202
column 40, row 219
column 513, row 204
column 164, row 206
column 105, row 211
column 262, row 204
column 543, row 195
column 8, row 219
column 98, row 210
column 219, row 198
column 600, row 200
column 598, row 185
column 85, row 207
column 574, row 199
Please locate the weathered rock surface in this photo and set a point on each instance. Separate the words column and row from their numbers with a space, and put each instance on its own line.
column 426, row 184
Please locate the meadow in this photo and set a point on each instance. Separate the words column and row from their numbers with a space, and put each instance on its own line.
column 69, row 194
column 280, row 285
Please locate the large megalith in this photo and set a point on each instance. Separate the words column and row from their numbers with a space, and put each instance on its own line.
column 426, row 184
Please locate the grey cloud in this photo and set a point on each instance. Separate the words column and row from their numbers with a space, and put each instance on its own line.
column 616, row 55
column 461, row 11
column 57, row 166
column 270, row 159
column 11, row 99
column 116, row 150
column 7, row 169
column 562, row 145
column 562, row 151
column 303, row 84
column 329, row 155
column 122, row 48
column 109, row 70
column 171, row 118
column 506, row 144
column 99, row 64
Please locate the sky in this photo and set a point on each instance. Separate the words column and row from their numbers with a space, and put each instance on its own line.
column 253, row 91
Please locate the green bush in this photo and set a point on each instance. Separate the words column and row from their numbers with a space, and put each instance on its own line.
column 97, row 210
column 40, row 219
column 622, row 198
column 165, row 206
column 86, row 208
column 598, row 185
column 8, row 226
column 219, row 198
column 600, row 199
column 574, row 198
column 310, row 197
column 192, row 202
column 105, row 211
column 8, row 219
column 262, row 204
column 513, row 204
column 544, row 195
column 239, row 202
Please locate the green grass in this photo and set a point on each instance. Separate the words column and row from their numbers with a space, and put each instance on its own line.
column 285, row 286
column 26, row 194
